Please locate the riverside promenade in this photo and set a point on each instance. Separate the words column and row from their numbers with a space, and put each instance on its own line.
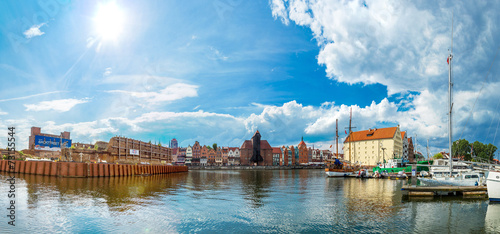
column 78, row 169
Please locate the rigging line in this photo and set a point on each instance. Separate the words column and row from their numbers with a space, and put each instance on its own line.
column 473, row 106
column 491, row 149
column 491, row 123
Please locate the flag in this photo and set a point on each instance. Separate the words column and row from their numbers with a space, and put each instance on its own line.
column 448, row 60
column 345, row 131
column 330, row 146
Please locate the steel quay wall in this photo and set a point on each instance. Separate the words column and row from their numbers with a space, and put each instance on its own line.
column 76, row 169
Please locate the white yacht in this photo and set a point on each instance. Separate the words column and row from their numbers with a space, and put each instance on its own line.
column 441, row 167
column 472, row 178
column 493, row 184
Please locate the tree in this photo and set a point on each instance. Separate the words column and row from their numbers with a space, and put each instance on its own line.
column 208, row 147
column 214, row 145
column 482, row 152
column 438, row 156
column 95, row 147
column 461, row 148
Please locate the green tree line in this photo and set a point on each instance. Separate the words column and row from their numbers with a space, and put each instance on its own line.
column 476, row 151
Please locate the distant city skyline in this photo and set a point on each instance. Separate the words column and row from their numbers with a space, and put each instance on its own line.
column 216, row 71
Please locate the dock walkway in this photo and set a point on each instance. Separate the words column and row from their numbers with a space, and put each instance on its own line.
column 430, row 191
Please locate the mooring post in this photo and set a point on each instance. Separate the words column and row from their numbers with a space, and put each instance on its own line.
column 414, row 174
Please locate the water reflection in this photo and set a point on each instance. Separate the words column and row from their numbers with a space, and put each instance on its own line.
column 237, row 201
column 492, row 219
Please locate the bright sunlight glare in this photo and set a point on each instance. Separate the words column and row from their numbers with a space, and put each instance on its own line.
column 109, row 21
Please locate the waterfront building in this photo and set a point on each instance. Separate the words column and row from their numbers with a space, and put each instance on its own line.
column 303, row 153
column 203, row 161
column 189, row 155
column 327, row 155
column 126, row 150
column 411, row 150
column 196, row 150
column 47, row 145
column 233, row 156
column 309, row 154
column 174, row 145
column 291, row 155
column 405, row 144
column 372, row 146
column 218, row 156
column 181, row 156
column 296, row 155
column 276, row 156
column 284, row 156
column 340, row 156
column 250, row 149
column 211, row 156
column 204, row 156
column 225, row 151
column 317, row 155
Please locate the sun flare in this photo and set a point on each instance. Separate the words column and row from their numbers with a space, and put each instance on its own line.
column 109, row 21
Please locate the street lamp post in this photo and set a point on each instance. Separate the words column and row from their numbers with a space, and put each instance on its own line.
column 383, row 153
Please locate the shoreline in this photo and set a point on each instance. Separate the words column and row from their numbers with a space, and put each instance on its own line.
column 253, row 167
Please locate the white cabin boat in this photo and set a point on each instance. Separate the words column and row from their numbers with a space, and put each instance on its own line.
column 473, row 178
column 441, row 168
column 493, row 184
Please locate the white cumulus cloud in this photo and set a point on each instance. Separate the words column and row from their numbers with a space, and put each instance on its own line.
column 34, row 31
column 61, row 105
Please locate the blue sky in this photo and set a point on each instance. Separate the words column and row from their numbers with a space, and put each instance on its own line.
column 216, row 71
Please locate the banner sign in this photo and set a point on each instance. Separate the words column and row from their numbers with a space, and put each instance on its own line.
column 134, row 152
column 51, row 143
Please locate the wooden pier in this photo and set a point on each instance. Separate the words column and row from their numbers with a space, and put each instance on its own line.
column 465, row 191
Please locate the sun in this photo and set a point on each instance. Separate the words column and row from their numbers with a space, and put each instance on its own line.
column 109, row 21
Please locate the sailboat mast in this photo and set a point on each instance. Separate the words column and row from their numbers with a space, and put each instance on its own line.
column 337, row 136
column 450, row 101
column 350, row 118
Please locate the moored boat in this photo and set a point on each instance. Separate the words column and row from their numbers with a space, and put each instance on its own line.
column 338, row 169
column 493, row 185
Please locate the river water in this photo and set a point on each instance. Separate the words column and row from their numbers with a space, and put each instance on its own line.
column 244, row 201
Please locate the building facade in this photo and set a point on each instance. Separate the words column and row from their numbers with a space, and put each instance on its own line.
column 189, row 155
column 233, row 156
column 303, row 153
column 405, row 145
column 276, row 156
column 128, row 150
column 249, row 149
column 373, row 146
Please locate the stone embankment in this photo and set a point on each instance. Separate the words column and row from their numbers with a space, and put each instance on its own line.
column 77, row 169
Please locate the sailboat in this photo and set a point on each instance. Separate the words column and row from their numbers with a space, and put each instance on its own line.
column 338, row 168
column 471, row 178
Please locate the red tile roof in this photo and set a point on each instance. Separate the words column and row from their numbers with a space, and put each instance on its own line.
column 372, row 134
column 403, row 134
column 276, row 150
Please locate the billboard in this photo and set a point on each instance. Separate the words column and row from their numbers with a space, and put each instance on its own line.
column 51, row 143
column 134, row 152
